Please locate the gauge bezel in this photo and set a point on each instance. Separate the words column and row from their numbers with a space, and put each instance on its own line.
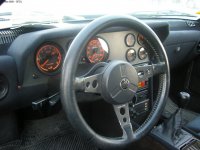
column 125, row 39
column 139, row 53
column 60, row 50
column 106, row 55
column 127, row 54
column 138, row 41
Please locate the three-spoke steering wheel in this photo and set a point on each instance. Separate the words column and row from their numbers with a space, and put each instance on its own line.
column 117, row 82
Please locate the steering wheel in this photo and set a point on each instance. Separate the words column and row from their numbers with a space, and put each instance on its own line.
column 116, row 82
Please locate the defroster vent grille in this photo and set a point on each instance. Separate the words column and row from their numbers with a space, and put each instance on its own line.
column 8, row 36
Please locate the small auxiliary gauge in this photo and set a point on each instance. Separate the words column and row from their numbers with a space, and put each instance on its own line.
column 142, row 53
column 131, row 55
column 140, row 39
column 130, row 40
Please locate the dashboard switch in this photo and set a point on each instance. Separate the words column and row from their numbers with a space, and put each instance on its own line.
column 141, row 84
column 141, row 74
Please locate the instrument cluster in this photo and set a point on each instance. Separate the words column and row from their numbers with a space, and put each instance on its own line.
column 98, row 49
column 127, row 46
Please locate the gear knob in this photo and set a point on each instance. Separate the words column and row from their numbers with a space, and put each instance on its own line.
column 184, row 98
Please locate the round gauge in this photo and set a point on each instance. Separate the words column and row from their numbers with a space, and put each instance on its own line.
column 48, row 58
column 131, row 55
column 97, row 50
column 142, row 53
column 130, row 40
column 140, row 39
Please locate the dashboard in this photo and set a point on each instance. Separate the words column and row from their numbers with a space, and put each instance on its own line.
column 33, row 55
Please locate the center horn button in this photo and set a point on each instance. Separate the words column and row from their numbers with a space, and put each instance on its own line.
column 124, row 83
column 119, row 82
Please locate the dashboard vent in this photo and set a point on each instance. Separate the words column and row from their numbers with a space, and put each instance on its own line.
column 8, row 36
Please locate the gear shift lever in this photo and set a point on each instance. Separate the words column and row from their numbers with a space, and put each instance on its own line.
column 184, row 98
column 171, row 128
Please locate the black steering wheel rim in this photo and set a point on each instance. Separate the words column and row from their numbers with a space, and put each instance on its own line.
column 71, row 62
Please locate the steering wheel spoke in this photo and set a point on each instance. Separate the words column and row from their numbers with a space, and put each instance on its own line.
column 147, row 71
column 89, row 84
column 122, row 113
column 159, row 68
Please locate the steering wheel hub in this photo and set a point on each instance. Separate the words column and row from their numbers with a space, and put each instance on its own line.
column 119, row 83
column 124, row 83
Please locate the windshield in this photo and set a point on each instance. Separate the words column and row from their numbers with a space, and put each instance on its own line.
column 18, row 12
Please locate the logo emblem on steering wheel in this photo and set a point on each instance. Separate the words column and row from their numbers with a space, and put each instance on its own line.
column 124, row 83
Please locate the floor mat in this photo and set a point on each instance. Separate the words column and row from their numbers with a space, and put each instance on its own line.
column 147, row 143
column 56, row 133
column 51, row 133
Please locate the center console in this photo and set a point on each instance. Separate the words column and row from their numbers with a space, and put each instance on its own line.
column 140, row 105
column 172, row 132
column 192, row 145
column 185, row 142
column 169, row 132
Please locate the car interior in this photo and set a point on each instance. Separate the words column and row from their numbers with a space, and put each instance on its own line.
column 118, row 81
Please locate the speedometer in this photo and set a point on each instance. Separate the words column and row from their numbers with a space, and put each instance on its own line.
column 97, row 50
column 48, row 58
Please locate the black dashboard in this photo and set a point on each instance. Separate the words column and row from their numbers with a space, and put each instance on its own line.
column 31, row 56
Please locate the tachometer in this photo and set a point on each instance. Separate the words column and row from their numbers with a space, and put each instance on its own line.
column 48, row 58
column 97, row 50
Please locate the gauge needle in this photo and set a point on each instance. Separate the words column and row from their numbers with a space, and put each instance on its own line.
column 45, row 63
